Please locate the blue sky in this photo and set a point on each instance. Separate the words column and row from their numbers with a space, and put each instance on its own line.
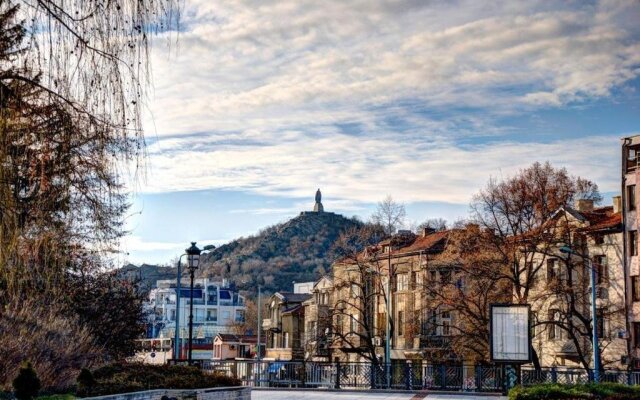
column 260, row 103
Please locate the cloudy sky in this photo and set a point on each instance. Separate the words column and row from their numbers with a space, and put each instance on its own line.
column 262, row 102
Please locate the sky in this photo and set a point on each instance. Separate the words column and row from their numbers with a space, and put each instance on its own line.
column 259, row 103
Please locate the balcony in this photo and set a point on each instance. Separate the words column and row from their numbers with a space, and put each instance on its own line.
column 270, row 325
column 435, row 342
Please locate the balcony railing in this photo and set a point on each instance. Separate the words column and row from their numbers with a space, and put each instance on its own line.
column 435, row 341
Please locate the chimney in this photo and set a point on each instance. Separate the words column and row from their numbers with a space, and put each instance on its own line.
column 584, row 205
column 426, row 231
column 617, row 204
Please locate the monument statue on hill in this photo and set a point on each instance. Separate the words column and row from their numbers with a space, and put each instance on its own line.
column 318, row 206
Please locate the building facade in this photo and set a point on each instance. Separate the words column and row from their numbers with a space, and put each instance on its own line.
column 285, row 326
column 217, row 307
column 560, row 296
column 630, row 204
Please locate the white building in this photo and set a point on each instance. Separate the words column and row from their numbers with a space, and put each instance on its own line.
column 216, row 308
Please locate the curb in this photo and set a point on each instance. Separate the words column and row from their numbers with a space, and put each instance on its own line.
column 396, row 391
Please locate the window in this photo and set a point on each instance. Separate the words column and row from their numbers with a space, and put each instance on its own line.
column 172, row 315
column 555, row 332
column 552, row 269
column 381, row 323
column 400, row 323
column 598, row 239
column 600, row 265
column 445, row 277
column 199, row 314
column 430, row 323
column 212, row 315
column 339, row 324
column 445, row 318
column 631, row 197
column 354, row 324
column 239, row 316
column 635, row 288
column 402, row 282
column 636, row 334
column 419, row 279
column 286, row 340
column 633, row 243
column 601, row 324
column 354, row 290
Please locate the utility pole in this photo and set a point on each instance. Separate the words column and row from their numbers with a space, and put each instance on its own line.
column 259, row 325
column 387, row 344
column 176, row 344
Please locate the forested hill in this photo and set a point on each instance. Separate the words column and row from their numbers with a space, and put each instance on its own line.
column 297, row 250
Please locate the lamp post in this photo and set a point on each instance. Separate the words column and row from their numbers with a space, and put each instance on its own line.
column 594, row 332
column 193, row 259
column 176, row 344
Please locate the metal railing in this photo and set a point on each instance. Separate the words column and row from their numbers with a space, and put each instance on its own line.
column 335, row 375
column 414, row 375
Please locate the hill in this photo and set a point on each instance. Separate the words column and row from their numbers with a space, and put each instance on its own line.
column 146, row 274
column 297, row 250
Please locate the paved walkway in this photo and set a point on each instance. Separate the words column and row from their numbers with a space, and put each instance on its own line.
column 360, row 395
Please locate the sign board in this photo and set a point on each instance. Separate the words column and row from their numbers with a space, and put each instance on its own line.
column 510, row 333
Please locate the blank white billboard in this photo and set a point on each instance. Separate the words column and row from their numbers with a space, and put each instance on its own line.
column 510, row 333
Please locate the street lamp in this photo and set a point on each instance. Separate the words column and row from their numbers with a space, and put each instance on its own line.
column 596, row 346
column 193, row 259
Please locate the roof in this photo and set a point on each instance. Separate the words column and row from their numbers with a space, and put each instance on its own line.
column 600, row 219
column 424, row 243
column 290, row 297
column 231, row 338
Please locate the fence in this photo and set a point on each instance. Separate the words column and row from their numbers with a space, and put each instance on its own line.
column 414, row 375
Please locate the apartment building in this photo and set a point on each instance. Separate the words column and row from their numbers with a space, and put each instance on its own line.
column 420, row 329
column 217, row 306
column 317, row 321
column 285, row 324
column 630, row 204
column 560, row 295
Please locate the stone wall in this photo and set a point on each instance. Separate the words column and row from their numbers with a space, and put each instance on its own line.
column 225, row 393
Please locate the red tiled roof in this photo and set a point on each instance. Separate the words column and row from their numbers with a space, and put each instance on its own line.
column 601, row 219
column 423, row 243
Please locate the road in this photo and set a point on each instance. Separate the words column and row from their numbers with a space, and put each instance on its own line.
column 361, row 395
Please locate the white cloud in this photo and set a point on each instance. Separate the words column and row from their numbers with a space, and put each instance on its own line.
column 259, row 94
column 360, row 169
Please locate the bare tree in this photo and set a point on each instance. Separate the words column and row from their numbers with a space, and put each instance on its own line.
column 358, row 289
column 72, row 81
column 436, row 224
column 514, row 211
column 459, row 286
column 390, row 215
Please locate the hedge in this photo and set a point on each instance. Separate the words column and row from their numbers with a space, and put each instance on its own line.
column 592, row 391
column 125, row 377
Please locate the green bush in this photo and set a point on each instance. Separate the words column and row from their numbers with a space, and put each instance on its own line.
column 85, row 381
column 26, row 385
column 123, row 378
column 601, row 391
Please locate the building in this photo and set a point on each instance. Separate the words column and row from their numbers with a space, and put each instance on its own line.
column 560, row 295
column 317, row 321
column 228, row 346
column 284, row 326
column 217, row 306
column 421, row 328
column 630, row 205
